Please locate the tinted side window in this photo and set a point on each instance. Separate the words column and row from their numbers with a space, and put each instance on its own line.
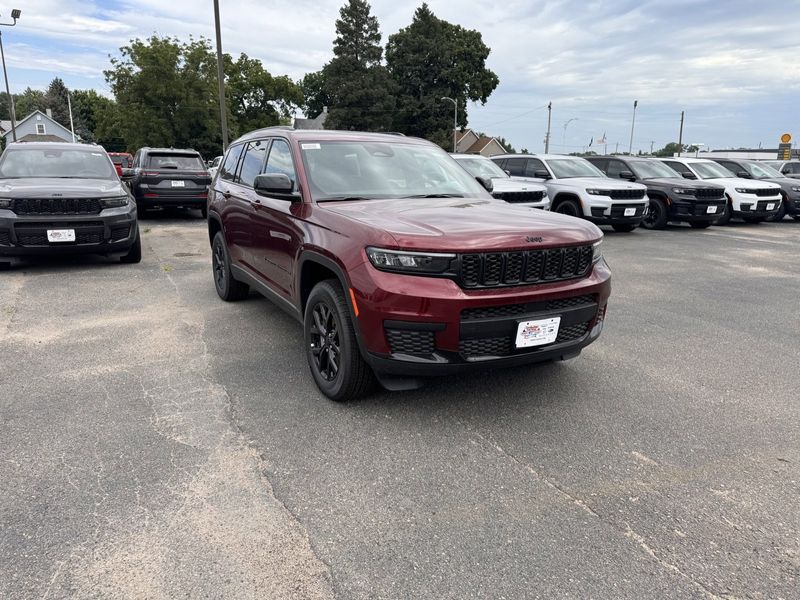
column 793, row 168
column 252, row 162
column 731, row 166
column 516, row 166
column 534, row 164
column 677, row 166
column 280, row 160
column 500, row 162
column 615, row 167
column 228, row 169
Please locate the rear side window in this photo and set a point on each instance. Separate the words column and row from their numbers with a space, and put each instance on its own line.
column 615, row 167
column 793, row 168
column 534, row 164
column 252, row 162
column 228, row 169
column 677, row 166
column 280, row 160
column 187, row 162
column 516, row 166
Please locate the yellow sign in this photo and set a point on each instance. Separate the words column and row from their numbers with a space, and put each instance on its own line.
column 786, row 138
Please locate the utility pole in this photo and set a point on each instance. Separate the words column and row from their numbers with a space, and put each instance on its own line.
column 15, row 14
column 616, row 149
column 633, row 122
column 651, row 147
column 547, row 137
column 223, row 111
column 680, row 137
column 71, row 124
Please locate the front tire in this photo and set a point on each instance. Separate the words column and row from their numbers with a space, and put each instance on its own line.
column 624, row 227
column 228, row 288
column 332, row 350
column 657, row 216
column 569, row 207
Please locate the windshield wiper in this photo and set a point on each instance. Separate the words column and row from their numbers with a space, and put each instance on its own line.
column 435, row 196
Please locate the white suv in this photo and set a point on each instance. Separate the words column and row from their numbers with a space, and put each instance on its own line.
column 749, row 199
column 520, row 191
column 578, row 188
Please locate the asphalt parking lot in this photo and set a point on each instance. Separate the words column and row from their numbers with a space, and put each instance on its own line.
column 159, row 443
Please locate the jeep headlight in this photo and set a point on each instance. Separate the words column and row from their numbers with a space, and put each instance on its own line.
column 794, row 189
column 683, row 191
column 115, row 202
column 401, row 261
column 744, row 191
column 597, row 251
column 6, row 202
column 596, row 192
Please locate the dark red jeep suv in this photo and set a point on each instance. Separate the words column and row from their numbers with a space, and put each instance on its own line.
column 396, row 261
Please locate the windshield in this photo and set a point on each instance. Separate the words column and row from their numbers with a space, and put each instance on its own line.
column 338, row 170
column 710, row 170
column 50, row 162
column 762, row 171
column 651, row 169
column 186, row 162
column 565, row 168
column 482, row 167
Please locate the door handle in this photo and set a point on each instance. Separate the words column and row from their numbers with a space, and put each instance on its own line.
column 226, row 194
column 257, row 203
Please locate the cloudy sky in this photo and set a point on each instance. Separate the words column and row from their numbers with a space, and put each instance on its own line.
column 733, row 66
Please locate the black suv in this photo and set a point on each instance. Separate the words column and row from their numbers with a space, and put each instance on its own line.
column 59, row 198
column 672, row 198
column 168, row 177
column 790, row 187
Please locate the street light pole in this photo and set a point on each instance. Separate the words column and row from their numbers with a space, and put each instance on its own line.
column 15, row 14
column 455, row 120
column 633, row 122
column 564, row 137
column 547, row 137
column 223, row 112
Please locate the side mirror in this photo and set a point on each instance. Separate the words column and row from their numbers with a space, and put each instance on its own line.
column 626, row 175
column 486, row 183
column 276, row 185
column 743, row 174
column 507, row 172
column 688, row 175
column 541, row 174
column 126, row 173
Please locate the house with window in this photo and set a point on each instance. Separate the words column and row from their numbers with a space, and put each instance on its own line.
column 469, row 142
column 36, row 127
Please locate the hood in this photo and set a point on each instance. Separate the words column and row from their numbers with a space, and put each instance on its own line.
column 785, row 183
column 691, row 184
column 512, row 184
column 466, row 224
column 603, row 183
column 60, row 187
column 754, row 184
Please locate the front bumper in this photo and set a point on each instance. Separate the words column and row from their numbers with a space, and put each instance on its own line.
column 419, row 326
column 691, row 208
column 112, row 232
column 613, row 212
column 758, row 208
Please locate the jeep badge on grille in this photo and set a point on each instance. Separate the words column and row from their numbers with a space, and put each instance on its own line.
column 531, row 239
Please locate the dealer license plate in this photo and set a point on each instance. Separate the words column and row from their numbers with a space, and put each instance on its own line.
column 60, row 235
column 630, row 212
column 711, row 209
column 537, row 333
column 771, row 206
column 178, row 184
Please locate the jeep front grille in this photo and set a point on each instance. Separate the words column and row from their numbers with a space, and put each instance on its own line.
column 56, row 206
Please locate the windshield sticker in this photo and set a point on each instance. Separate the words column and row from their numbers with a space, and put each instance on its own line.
column 310, row 146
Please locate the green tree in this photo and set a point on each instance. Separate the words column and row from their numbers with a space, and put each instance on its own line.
column 88, row 107
column 506, row 144
column 29, row 101
column 432, row 58
column 55, row 99
column 256, row 98
column 166, row 93
column 314, row 97
column 672, row 148
column 355, row 82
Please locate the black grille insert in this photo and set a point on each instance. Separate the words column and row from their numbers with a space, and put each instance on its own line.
column 767, row 192
column 709, row 192
column 403, row 341
column 626, row 194
column 499, row 269
column 515, row 197
column 56, row 206
column 515, row 310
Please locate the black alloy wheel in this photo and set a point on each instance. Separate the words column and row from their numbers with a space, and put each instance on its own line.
column 228, row 288
column 325, row 342
column 657, row 216
column 569, row 207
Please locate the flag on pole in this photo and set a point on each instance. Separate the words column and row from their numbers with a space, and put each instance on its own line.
column 602, row 140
